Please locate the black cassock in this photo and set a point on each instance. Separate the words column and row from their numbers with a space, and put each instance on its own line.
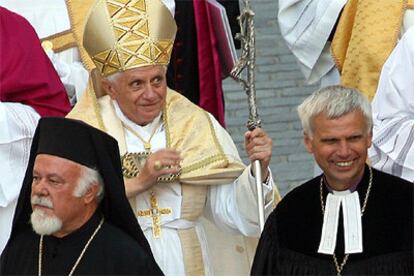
column 119, row 247
column 111, row 252
column 290, row 240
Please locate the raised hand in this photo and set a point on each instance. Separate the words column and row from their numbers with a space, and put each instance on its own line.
column 259, row 147
column 162, row 162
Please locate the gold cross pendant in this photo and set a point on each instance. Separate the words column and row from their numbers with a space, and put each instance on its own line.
column 155, row 213
column 147, row 147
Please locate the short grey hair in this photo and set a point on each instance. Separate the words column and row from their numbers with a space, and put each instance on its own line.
column 335, row 101
column 87, row 178
column 114, row 77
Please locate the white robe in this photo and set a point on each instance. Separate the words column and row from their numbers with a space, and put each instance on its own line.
column 17, row 125
column 231, row 206
column 306, row 25
column 49, row 17
column 392, row 150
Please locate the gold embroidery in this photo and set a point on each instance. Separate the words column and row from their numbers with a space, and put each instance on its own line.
column 192, row 253
column 133, row 162
column 96, row 107
column 211, row 159
column 166, row 125
column 204, row 161
column 131, row 34
column 360, row 51
column 155, row 213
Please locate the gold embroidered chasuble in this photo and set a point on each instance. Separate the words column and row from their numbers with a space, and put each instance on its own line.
column 366, row 34
column 189, row 131
column 204, row 162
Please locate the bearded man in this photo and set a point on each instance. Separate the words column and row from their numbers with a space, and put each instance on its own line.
column 80, row 219
column 29, row 89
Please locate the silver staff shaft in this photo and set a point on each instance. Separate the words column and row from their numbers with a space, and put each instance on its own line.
column 248, row 60
column 259, row 189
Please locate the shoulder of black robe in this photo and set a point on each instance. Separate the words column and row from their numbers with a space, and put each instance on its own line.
column 284, row 230
column 86, row 145
column 111, row 252
column 291, row 237
column 265, row 258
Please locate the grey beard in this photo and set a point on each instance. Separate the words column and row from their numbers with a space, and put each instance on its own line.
column 44, row 224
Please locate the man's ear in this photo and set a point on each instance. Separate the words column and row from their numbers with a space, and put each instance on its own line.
column 108, row 87
column 91, row 193
column 307, row 141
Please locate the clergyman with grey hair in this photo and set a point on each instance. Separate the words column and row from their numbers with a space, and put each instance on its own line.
column 351, row 219
column 73, row 216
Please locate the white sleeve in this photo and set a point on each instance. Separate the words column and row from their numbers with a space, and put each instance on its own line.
column 233, row 206
column 70, row 72
column 306, row 25
column 17, row 125
column 392, row 150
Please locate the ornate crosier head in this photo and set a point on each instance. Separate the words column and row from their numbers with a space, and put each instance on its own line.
column 125, row 34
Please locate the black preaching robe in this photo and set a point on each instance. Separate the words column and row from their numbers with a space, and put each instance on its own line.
column 111, row 252
column 290, row 240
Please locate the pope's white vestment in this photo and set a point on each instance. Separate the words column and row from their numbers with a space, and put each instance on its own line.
column 203, row 219
column 231, row 205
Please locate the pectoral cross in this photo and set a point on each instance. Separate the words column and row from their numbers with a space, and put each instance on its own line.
column 155, row 213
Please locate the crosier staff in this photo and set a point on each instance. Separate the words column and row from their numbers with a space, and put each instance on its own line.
column 248, row 59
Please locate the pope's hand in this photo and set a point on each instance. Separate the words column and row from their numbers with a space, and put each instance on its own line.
column 259, row 147
column 162, row 162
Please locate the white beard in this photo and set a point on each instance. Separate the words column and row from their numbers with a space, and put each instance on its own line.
column 44, row 224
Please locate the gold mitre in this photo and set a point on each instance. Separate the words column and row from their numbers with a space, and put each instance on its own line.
column 125, row 34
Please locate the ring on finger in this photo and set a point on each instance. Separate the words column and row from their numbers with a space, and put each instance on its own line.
column 157, row 165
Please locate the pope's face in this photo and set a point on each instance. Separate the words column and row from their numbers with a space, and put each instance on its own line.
column 340, row 146
column 139, row 92
column 54, row 182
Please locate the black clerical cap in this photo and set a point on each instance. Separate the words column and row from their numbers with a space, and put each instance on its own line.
column 73, row 140
column 86, row 145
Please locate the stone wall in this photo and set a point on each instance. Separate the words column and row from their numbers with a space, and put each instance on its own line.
column 280, row 87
